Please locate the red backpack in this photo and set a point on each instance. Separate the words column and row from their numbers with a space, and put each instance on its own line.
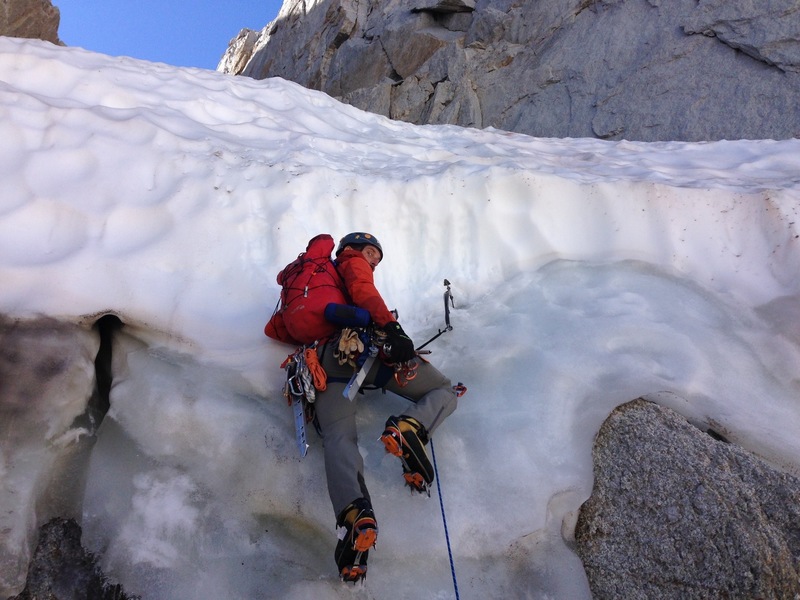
column 308, row 285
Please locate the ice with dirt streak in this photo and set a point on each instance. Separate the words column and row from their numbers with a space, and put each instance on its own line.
column 585, row 274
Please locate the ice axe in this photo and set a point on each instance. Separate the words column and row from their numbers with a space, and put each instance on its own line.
column 448, row 302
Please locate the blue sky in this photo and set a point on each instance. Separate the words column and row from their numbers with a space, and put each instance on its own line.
column 184, row 33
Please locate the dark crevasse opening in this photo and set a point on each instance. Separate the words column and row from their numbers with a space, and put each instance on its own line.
column 63, row 495
column 106, row 326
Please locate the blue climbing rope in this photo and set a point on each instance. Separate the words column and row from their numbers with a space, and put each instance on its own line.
column 444, row 520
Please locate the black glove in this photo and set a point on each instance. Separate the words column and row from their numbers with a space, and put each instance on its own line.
column 402, row 348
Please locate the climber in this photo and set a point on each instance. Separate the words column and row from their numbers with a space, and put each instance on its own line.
column 399, row 370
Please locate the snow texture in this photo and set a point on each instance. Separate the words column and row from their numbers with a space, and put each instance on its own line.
column 585, row 274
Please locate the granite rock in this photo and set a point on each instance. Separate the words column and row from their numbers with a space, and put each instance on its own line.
column 677, row 513
column 640, row 70
column 37, row 19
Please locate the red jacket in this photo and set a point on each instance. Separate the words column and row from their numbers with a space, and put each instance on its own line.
column 360, row 284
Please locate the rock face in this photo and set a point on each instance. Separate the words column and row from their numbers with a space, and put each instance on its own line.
column 638, row 69
column 37, row 19
column 676, row 513
column 62, row 568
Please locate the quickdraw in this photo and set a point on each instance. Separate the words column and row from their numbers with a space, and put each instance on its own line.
column 304, row 376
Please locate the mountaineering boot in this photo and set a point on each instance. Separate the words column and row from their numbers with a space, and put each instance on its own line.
column 405, row 438
column 357, row 531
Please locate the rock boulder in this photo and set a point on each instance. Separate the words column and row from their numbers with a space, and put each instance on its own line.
column 62, row 568
column 676, row 513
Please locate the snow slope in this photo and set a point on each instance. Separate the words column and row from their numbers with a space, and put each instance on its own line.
column 585, row 274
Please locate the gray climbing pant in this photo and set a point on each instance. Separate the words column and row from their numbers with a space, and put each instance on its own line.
column 430, row 392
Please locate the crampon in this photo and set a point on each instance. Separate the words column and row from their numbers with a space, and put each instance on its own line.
column 405, row 438
column 358, row 532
